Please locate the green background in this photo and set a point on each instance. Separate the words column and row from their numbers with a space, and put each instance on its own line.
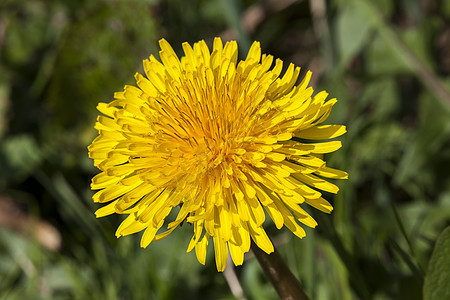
column 387, row 62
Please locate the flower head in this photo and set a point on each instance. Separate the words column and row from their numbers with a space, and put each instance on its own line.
column 219, row 142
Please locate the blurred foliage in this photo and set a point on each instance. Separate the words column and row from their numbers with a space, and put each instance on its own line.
column 438, row 275
column 59, row 58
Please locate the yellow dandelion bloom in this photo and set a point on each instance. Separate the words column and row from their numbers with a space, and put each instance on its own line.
column 218, row 141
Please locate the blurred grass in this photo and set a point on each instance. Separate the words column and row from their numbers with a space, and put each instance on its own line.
column 59, row 58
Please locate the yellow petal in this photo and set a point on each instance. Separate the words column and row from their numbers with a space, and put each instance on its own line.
column 112, row 192
column 326, row 147
column 260, row 237
column 200, row 249
column 198, row 229
column 237, row 255
column 102, row 180
column 148, row 235
column 224, row 224
column 105, row 109
column 332, row 173
column 322, row 132
column 130, row 226
column 317, row 182
column 221, row 253
column 289, row 220
column 321, row 204
column 106, row 210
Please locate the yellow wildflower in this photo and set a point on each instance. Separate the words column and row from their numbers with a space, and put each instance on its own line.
column 218, row 140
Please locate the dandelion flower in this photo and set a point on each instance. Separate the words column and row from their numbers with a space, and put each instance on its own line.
column 218, row 142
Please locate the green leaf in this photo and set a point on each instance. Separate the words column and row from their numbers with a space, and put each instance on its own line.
column 232, row 13
column 438, row 275
column 429, row 141
column 382, row 94
column 105, row 44
column 384, row 58
column 354, row 24
column 19, row 156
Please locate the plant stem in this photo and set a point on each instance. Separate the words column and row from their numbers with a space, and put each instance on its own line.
column 284, row 282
